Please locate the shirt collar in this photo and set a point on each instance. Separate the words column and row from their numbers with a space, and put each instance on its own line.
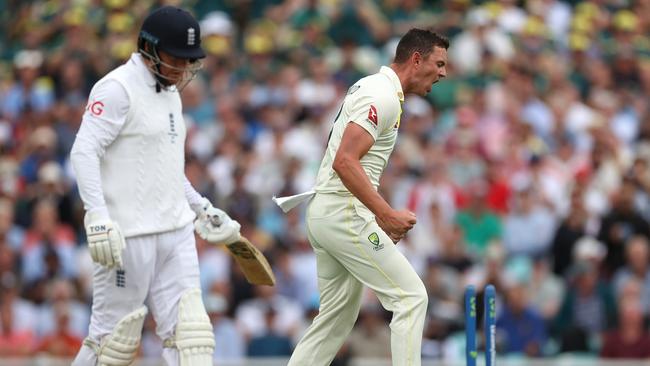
column 394, row 79
column 137, row 60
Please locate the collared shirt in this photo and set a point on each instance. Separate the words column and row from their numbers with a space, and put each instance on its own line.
column 374, row 103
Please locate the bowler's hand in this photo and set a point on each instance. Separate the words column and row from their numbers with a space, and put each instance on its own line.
column 397, row 223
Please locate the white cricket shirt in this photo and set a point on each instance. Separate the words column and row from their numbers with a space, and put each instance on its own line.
column 129, row 155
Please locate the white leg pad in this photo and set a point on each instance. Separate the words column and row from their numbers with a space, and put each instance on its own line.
column 121, row 346
column 194, row 338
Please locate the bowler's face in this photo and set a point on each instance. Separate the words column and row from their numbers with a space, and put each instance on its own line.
column 431, row 70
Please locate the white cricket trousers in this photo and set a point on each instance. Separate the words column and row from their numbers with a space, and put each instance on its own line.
column 352, row 251
column 158, row 268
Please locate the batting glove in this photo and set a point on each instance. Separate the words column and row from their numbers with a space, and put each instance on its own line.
column 105, row 239
column 215, row 226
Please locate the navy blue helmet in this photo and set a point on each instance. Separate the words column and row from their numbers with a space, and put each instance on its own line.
column 174, row 31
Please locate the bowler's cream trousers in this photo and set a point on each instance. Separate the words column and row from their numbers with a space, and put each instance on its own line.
column 352, row 251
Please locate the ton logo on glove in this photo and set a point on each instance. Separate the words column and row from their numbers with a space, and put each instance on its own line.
column 98, row 228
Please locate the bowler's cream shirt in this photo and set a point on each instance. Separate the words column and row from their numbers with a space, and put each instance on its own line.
column 373, row 103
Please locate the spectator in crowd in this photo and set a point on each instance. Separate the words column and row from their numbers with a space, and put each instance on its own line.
column 568, row 233
column 433, row 201
column 61, row 301
column 51, row 185
column 528, row 215
column 521, row 326
column 371, row 339
column 588, row 249
column 8, row 261
column 444, row 312
column 13, row 235
column 17, row 331
column 60, row 342
column 269, row 343
column 619, row 225
column 477, row 222
column 546, row 289
column 630, row 340
column 637, row 259
column 587, row 310
column 40, row 149
column 253, row 317
column 481, row 38
column 229, row 343
column 29, row 93
column 49, row 248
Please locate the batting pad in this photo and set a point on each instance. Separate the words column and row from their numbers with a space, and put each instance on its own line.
column 194, row 338
column 121, row 346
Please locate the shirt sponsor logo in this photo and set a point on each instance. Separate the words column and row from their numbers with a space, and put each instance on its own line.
column 372, row 115
column 95, row 108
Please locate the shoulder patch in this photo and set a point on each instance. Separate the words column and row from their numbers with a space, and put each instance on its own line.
column 372, row 115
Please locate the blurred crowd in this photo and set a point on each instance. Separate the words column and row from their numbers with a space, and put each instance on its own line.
column 528, row 167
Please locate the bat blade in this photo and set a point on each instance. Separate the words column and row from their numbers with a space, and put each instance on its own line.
column 252, row 262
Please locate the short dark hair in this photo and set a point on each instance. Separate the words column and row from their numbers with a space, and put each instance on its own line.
column 419, row 40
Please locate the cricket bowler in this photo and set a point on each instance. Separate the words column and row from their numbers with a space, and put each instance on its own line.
column 129, row 159
column 350, row 226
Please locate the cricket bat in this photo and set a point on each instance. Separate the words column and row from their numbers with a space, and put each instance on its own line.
column 252, row 262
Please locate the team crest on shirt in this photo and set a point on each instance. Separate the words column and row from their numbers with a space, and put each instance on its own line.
column 172, row 129
column 374, row 240
column 372, row 115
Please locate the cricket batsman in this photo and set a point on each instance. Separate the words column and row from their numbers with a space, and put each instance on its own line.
column 350, row 226
column 129, row 159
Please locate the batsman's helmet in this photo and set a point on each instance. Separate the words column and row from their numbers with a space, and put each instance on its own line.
column 175, row 32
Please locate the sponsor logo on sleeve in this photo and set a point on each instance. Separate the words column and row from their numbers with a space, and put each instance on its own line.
column 96, row 108
column 372, row 115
